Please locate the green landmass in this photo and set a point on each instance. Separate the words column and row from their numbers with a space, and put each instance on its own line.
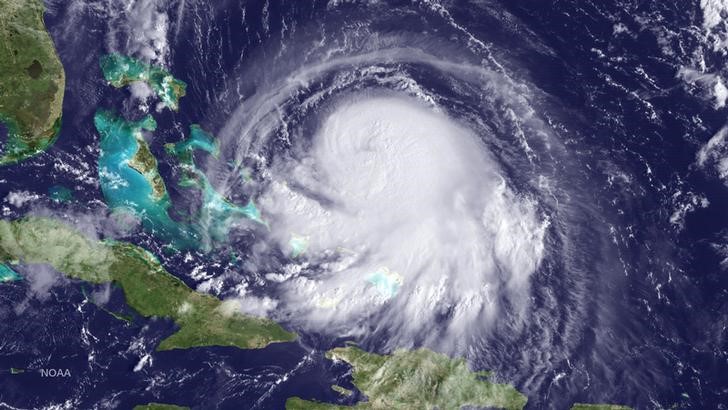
column 586, row 406
column 120, row 70
column 15, row 370
column 149, row 289
column 32, row 81
column 416, row 379
column 342, row 391
column 217, row 212
column 184, row 151
column 159, row 406
column 144, row 161
column 216, row 206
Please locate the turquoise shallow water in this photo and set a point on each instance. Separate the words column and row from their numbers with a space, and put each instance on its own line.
column 298, row 245
column 7, row 274
column 120, row 70
column 198, row 139
column 387, row 283
column 124, row 188
column 59, row 193
column 217, row 214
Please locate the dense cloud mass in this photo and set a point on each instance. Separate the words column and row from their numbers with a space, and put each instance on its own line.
column 406, row 216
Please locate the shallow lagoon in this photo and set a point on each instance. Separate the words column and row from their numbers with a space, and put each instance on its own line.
column 126, row 187
column 7, row 274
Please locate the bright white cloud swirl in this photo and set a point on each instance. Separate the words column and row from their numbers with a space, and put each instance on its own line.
column 406, row 219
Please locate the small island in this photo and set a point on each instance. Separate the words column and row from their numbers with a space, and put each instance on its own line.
column 130, row 179
column 59, row 193
column 159, row 406
column 123, row 140
column 416, row 379
column 215, row 207
column 32, row 81
column 149, row 289
column 120, row 70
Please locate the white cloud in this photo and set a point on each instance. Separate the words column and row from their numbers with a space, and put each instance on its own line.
column 41, row 279
column 393, row 186
column 102, row 295
column 714, row 40
column 720, row 92
column 253, row 305
column 714, row 12
column 140, row 28
column 711, row 85
column 143, row 362
column 714, row 154
column 134, row 27
column 685, row 203
column 20, row 198
column 142, row 92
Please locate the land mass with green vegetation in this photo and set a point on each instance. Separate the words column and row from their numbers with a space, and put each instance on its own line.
column 149, row 289
column 416, row 379
column 420, row 379
column 120, row 70
column 32, row 81
column 143, row 161
column 216, row 207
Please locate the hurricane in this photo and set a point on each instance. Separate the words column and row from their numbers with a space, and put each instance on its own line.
column 537, row 190
column 420, row 191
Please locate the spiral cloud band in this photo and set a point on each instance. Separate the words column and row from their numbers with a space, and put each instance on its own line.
column 405, row 216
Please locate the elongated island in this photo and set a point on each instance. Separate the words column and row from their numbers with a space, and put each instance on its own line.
column 149, row 289
column 416, row 379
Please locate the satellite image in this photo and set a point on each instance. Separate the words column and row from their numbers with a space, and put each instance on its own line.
column 363, row 204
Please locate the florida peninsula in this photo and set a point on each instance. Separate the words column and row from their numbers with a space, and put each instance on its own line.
column 32, row 81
